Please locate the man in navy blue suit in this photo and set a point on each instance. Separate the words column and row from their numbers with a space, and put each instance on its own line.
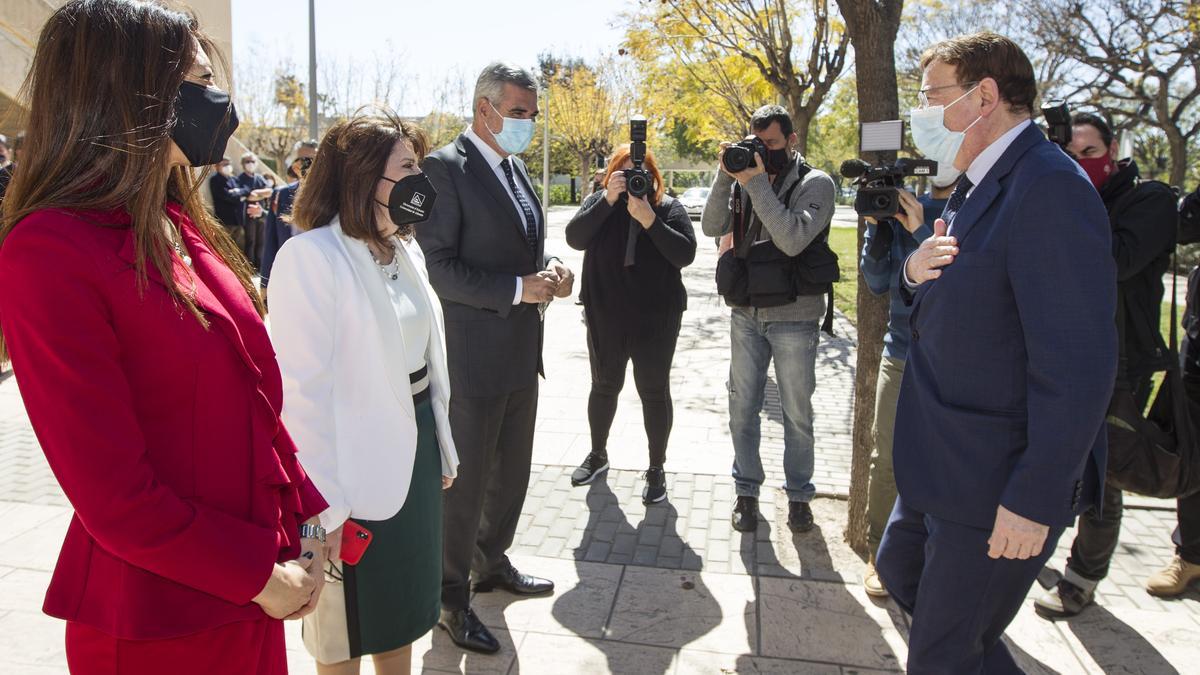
column 999, row 439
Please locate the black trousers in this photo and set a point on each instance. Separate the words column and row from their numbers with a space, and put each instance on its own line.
column 611, row 347
column 255, row 229
column 1187, row 534
column 494, row 437
column 1100, row 528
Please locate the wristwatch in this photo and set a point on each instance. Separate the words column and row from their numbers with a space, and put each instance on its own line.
column 308, row 531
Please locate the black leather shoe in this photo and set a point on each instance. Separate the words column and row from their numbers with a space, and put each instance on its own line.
column 800, row 517
column 467, row 631
column 745, row 514
column 514, row 582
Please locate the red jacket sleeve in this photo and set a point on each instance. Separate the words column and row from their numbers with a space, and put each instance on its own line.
column 67, row 359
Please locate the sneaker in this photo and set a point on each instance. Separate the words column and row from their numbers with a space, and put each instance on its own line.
column 593, row 466
column 745, row 514
column 656, row 486
column 1063, row 601
column 872, row 584
column 1173, row 579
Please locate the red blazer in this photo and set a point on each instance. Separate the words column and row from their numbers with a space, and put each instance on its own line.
column 164, row 435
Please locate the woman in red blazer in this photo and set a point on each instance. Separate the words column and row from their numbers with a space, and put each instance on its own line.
column 137, row 342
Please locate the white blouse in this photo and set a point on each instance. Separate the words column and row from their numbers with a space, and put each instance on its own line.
column 412, row 311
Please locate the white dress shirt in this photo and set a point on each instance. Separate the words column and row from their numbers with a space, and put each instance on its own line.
column 494, row 160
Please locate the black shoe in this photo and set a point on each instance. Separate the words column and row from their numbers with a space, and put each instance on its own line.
column 592, row 466
column 656, row 486
column 514, row 582
column 745, row 514
column 800, row 517
column 467, row 631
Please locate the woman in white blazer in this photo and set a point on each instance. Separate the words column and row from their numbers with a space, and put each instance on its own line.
column 360, row 341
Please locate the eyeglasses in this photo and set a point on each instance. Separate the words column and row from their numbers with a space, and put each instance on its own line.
column 923, row 95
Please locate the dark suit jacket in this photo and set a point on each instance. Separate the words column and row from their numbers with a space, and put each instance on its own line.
column 1014, row 350
column 475, row 247
column 277, row 230
column 227, row 195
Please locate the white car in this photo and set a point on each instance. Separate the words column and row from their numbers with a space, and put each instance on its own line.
column 693, row 200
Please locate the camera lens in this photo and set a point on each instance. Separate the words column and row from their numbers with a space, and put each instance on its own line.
column 736, row 158
column 638, row 185
column 881, row 202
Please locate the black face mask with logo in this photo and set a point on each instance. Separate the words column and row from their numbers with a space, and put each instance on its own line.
column 411, row 200
column 204, row 121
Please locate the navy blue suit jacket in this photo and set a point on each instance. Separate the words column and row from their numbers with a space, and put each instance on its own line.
column 277, row 230
column 1014, row 350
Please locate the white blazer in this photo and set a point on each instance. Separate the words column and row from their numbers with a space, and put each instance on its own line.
column 347, row 399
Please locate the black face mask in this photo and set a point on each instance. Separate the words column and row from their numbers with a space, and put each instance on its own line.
column 205, row 118
column 778, row 160
column 412, row 199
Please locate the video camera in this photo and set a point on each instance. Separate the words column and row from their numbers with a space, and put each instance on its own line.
column 879, row 186
column 637, row 180
column 740, row 155
column 1058, row 122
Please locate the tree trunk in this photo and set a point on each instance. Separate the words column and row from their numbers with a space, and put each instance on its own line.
column 1178, row 148
column 872, row 25
column 801, row 121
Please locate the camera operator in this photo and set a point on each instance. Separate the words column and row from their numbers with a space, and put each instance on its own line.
column 886, row 246
column 794, row 204
column 1144, row 220
column 633, row 298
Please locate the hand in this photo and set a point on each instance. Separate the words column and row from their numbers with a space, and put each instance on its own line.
column 934, row 253
column 288, row 589
column 253, row 211
column 447, row 481
column 565, row 277
column 260, row 193
column 913, row 215
column 721, row 157
column 616, row 186
column 1016, row 537
column 312, row 559
column 538, row 288
column 756, row 169
column 333, row 545
column 640, row 209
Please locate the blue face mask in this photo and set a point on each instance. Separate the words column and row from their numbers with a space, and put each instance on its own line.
column 931, row 136
column 514, row 135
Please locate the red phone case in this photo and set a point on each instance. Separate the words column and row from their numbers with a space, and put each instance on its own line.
column 355, row 539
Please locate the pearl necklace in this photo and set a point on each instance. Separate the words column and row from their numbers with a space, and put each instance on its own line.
column 392, row 269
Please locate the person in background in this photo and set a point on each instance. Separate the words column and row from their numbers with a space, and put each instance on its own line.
column 597, row 183
column 228, row 200
column 485, row 250
column 143, row 361
column 633, row 297
column 279, row 226
column 254, row 211
column 6, row 165
column 885, row 248
column 1144, row 218
column 366, row 390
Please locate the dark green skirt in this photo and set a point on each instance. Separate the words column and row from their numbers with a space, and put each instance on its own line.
column 393, row 595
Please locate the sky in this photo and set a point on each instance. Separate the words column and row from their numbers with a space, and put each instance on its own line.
column 432, row 38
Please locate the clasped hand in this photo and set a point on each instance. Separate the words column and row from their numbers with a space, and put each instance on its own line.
column 936, row 252
column 555, row 281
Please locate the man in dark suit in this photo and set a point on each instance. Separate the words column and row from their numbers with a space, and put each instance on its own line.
column 485, row 249
column 999, row 440
column 279, row 227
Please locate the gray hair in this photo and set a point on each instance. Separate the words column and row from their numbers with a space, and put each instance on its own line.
column 490, row 84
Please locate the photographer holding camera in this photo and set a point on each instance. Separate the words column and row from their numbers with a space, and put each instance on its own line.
column 636, row 240
column 887, row 245
column 1144, row 219
column 779, row 208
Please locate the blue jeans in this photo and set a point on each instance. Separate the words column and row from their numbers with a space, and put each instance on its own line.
column 793, row 345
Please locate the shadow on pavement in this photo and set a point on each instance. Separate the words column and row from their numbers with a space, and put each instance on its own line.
column 652, row 607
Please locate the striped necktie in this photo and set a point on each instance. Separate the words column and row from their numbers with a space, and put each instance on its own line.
column 531, row 233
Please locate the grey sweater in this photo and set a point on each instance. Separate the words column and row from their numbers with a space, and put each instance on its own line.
column 792, row 227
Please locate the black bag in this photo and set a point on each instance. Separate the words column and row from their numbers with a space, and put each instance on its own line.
column 1155, row 455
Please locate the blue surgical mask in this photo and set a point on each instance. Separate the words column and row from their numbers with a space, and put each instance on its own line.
column 515, row 134
column 931, row 136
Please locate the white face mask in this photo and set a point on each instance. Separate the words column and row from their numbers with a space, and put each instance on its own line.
column 515, row 134
column 931, row 136
column 227, row 170
column 249, row 167
column 946, row 175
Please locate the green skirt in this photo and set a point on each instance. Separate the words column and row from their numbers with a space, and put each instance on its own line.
column 393, row 595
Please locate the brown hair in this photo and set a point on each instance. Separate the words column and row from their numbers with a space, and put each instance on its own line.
column 618, row 160
column 84, row 156
column 978, row 56
column 343, row 177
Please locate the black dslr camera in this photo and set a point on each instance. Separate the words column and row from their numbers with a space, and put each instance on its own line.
column 1058, row 122
column 740, row 156
column 879, row 186
column 637, row 179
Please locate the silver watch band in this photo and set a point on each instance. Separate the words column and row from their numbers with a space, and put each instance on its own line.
column 309, row 531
